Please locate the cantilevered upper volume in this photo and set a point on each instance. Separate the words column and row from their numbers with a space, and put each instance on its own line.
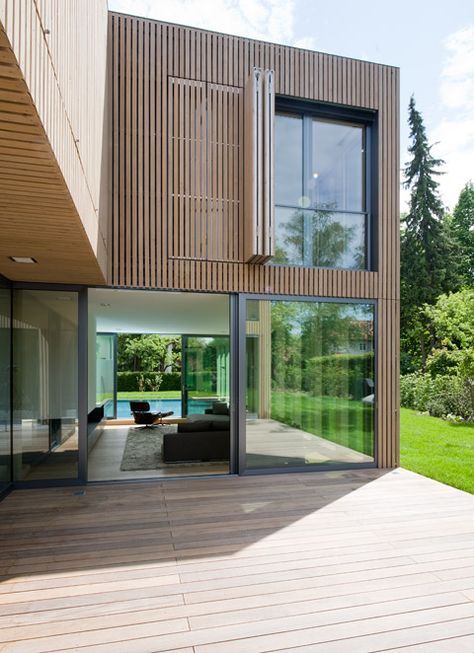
column 53, row 172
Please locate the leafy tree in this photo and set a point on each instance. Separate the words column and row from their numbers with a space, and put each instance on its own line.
column 148, row 353
column 151, row 354
column 329, row 243
column 425, row 246
column 452, row 318
column 462, row 230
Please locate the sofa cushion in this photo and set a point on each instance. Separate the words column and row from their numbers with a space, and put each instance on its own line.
column 220, row 408
column 221, row 425
column 194, row 426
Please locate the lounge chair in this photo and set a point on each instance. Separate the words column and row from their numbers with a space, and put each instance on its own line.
column 144, row 418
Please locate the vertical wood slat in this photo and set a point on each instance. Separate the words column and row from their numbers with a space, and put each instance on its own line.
column 202, row 153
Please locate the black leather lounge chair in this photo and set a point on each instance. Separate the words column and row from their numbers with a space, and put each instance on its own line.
column 144, row 418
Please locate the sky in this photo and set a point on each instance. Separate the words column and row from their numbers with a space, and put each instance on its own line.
column 431, row 41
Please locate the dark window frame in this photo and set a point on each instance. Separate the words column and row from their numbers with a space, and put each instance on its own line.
column 368, row 119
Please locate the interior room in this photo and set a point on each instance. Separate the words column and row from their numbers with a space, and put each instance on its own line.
column 170, row 352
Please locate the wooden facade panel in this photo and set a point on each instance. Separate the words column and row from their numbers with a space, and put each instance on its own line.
column 178, row 159
column 204, row 162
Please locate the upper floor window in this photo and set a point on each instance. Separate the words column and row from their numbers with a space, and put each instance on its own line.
column 321, row 215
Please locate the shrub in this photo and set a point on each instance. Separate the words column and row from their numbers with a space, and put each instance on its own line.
column 440, row 396
column 131, row 381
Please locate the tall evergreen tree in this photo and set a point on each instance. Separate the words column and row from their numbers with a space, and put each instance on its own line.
column 425, row 247
column 462, row 231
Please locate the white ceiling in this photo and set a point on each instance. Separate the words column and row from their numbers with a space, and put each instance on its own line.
column 150, row 311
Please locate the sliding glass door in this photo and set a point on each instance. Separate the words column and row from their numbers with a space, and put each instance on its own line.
column 5, row 386
column 309, row 384
column 45, row 385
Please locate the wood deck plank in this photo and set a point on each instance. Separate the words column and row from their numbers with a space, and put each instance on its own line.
column 336, row 561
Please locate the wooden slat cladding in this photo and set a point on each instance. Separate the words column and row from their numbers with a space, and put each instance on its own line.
column 60, row 48
column 204, row 163
column 167, row 239
column 178, row 218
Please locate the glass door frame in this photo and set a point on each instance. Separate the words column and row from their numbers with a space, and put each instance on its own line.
column 241, row 371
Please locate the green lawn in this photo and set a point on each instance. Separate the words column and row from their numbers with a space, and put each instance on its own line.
column 438, row 449
column 343, row 421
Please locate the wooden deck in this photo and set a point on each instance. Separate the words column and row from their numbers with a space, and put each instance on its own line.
column 339, row 561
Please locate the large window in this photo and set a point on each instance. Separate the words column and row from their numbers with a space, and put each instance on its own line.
column 45, row 385
column 309, row 383
column 321, row 212
column 5, row 390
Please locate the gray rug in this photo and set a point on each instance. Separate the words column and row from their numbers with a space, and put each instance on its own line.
column 143, row 450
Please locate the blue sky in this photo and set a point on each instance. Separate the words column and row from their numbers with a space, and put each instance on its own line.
column 431, row 41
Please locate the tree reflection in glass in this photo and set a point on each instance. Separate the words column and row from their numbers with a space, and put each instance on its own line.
column 320, row 238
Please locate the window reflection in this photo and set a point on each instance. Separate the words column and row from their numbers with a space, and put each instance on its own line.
column 320, row 214
column 320, row 239
column 45, row 394
column 288, row 159
column 336, row 181
column 310, row 384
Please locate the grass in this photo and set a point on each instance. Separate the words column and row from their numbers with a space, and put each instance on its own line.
column 343, row 421
column 438, row 449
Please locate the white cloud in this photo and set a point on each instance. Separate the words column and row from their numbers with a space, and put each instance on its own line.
column 455, row 130
column 269, row 20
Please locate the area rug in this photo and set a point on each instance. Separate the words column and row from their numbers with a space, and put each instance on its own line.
column 143, row 450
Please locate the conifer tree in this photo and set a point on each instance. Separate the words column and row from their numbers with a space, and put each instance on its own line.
column 462, row 232
column 425, row 245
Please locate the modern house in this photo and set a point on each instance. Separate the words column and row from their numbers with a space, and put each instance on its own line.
column 239, row 195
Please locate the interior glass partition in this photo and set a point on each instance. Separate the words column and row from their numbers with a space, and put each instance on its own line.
column 5, row 389
column 45, row 385
column 205, row 372
column 309, row 383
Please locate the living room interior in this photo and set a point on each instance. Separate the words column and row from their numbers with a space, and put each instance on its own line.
column 170, row 350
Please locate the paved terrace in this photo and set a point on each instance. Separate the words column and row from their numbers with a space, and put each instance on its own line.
column 339, row 561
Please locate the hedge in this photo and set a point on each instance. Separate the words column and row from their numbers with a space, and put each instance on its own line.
column 340, row 375
column 128, row 381
column 439, row 396
column 335, row 375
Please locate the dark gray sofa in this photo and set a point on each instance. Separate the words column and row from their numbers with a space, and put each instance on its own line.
column 200, row 438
